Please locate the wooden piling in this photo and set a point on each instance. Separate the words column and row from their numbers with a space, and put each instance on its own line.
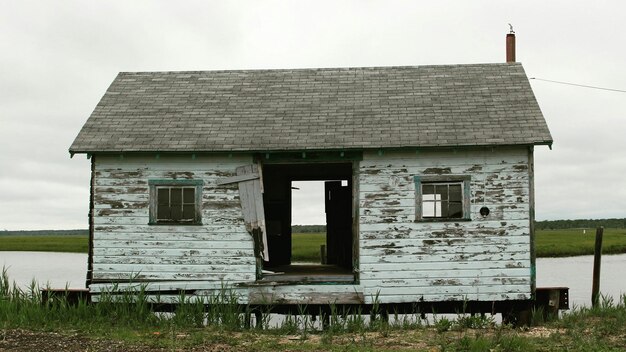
column 597, row 260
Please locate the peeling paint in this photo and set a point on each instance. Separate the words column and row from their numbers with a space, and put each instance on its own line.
column 234, row 204
column 520, row 168
column 474, row 169
column 391, row 211
column 437, row 171
column 444, row 282
column 109, row 212
column 179, row 174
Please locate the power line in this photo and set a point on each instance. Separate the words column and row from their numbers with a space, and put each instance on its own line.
column 579, row 85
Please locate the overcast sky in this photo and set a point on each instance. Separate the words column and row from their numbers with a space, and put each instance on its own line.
column 57, row 58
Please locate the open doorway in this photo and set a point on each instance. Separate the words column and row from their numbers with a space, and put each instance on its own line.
column 328, row 257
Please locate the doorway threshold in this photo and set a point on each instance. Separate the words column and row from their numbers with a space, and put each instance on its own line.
column 308, row 273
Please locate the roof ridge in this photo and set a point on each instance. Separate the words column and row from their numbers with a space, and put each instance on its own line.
column 334, row 68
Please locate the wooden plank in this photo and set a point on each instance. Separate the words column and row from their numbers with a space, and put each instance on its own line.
column 109, row 182
column 463, row 241
column 127, row 220
column 409, row 251
column 440, row 273
column 131, row 244
column 378, row 183
column 502, row 169
column 164, row 286
column 201, row 269
column 437, row 262
column 180, row 160
column 459, row 253
column 404, row 219
column 487, row 153
column 305, row 294
column 209, row 211
column 507, row 211
column 196, row 297
column 238, row 178
column 252, row 204
column 442, row 290
column 372, row 297
column 143, row 220
column 122, row 189
column 213, row 195
column 433, row 259
column 493, row 196
column 424, row 234
column 167, row 229
column 174, row 236
column 157, row 254
column 244, row 197
column 122, row 197
column 260, row 214
column 176, row 260
column 473, row 284
column 221, row 277
column 531, row 220
column 445, row 226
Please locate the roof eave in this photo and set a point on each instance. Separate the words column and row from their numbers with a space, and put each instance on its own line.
column 135, row 151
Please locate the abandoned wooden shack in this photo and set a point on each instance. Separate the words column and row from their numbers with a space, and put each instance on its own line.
column 429, row 184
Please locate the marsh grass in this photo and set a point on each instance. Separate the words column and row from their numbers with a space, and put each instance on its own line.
column 46, row 243
column 305, row 247
column 573, row 242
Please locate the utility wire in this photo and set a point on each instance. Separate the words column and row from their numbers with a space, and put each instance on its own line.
column 579, row 85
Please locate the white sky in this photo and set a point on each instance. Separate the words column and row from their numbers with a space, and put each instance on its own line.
column 57, row 58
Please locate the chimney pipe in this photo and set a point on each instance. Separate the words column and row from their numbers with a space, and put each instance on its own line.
column 510, row 46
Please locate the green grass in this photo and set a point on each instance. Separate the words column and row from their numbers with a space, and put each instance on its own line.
column 305, row 247
column 65, row 243
column 572, row 242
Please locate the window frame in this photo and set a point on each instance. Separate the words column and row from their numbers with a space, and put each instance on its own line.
column 154, row 185
column 421, row 180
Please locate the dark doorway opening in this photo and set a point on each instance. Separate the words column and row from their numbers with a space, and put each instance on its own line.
column 338, row 200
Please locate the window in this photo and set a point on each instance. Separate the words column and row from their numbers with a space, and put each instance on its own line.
column 175, row 201
column 442, row 198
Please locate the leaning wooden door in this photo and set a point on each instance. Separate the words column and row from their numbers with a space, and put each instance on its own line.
column 249, row 178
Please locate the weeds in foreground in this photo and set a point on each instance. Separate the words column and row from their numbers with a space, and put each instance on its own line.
column 220, row 319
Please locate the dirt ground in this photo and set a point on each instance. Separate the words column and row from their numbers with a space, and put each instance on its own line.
column 23, row 340
column 408, row 340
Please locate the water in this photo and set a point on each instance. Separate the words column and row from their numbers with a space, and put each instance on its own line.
column 58, row 269
column 576, row 273
column 49, row 269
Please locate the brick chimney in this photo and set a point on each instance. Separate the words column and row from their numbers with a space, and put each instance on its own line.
column 510, row 46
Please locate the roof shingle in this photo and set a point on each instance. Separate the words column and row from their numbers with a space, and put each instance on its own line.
column 315, row 109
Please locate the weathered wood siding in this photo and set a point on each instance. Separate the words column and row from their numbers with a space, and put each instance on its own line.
column 399, row 259
column 486, row 258
column 170, row 257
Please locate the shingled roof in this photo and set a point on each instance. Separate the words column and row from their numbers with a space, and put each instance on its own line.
column 315, row 109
